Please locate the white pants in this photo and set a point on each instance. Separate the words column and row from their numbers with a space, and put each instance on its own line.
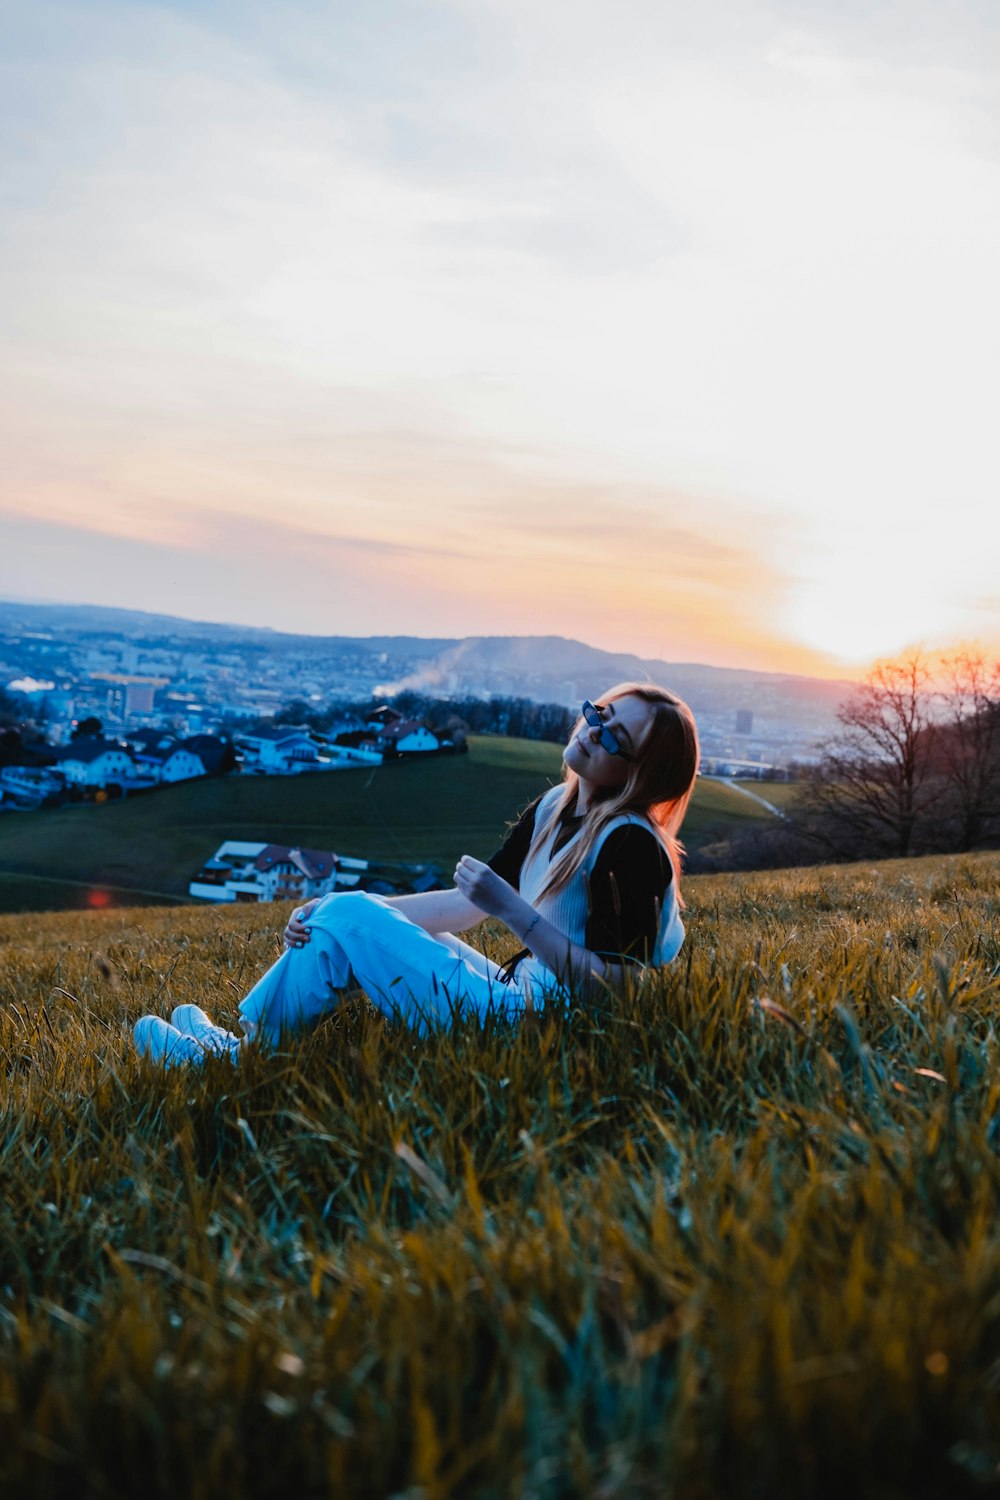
column 412, row 976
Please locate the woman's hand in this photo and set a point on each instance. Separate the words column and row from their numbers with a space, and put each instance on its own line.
column 484, row 888
column 296, row 934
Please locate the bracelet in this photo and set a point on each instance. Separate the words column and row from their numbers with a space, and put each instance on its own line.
column 535, row 919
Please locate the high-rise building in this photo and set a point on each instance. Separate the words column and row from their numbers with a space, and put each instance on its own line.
column 139, row 697
column 744, row 721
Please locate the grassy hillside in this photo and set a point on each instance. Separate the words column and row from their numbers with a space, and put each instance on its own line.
column 780, row 793
column 434, row 810
column 735, row 1233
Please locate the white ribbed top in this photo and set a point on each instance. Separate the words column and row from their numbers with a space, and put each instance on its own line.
column 569, row 908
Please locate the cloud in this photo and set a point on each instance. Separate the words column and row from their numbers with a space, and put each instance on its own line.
column 258, row 574
column 264, row 572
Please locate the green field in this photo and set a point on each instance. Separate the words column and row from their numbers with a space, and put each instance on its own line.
column 434, row 810
column 37, row 893
column 735, row 1233
column 780, row 793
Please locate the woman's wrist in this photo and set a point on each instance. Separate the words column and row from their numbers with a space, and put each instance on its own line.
column 524, row 921
column 526, row 934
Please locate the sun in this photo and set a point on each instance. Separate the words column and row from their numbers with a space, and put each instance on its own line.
column 852, row 630
column 858, row 603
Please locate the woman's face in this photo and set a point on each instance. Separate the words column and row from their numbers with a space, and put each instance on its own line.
column 627, row 719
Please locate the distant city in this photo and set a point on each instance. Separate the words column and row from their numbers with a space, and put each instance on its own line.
column 134, row 671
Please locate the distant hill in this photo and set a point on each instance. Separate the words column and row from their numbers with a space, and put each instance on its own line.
column 556, row 662
column 142, row 625
column 544, row 668
column 419, row 811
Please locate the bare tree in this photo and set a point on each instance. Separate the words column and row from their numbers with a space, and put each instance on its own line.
column 876, row 779
column 968, row 746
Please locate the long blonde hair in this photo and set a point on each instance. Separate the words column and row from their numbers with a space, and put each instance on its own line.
column 658, row 787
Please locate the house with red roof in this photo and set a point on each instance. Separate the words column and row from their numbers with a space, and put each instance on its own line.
column 240, row 871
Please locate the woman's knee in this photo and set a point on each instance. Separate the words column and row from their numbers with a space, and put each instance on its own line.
column 348, row 908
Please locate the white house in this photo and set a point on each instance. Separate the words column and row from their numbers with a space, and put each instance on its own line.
column 240, row 871
column 181, row 765
column 287, row 874
column 418, row 738
column 281, row 751
column 90, row 761
column 162, row 758
column 408, row 736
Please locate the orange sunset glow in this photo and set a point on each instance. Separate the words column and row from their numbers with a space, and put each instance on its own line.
column 669, row 328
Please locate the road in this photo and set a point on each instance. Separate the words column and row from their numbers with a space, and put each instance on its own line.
column 744, row 790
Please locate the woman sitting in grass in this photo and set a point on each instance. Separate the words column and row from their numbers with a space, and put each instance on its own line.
column 587, row 881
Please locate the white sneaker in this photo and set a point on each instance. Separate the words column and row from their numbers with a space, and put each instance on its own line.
column 192, row 1021
column 163, row 1043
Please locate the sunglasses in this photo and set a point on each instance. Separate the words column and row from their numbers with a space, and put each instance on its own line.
column 606, row 739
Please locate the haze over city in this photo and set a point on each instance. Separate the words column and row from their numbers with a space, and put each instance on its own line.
column 669, row 328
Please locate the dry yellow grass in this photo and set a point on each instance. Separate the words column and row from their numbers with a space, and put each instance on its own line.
column 733, row 1232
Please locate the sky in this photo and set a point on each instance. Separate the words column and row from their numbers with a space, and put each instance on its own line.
column 670, row 327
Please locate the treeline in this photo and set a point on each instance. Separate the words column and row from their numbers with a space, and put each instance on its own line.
column 518, row 717
column 22, row 738
column 914, row 769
